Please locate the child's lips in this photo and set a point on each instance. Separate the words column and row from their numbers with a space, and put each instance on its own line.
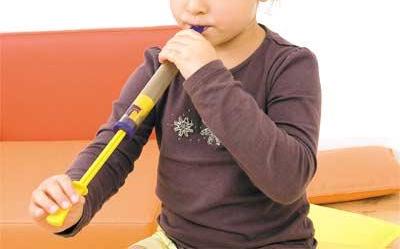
column 205, row 26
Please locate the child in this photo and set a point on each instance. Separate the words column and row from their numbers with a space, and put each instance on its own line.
column 237, row 130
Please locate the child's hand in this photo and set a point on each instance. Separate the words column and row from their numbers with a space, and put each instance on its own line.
column 189, row 51
column 53, row 193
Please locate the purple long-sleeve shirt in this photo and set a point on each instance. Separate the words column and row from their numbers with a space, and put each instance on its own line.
column 237, row 150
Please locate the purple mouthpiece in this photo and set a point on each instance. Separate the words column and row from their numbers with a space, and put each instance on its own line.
column 199, row 29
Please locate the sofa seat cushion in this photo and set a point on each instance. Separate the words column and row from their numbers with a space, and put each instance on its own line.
column 127, row 217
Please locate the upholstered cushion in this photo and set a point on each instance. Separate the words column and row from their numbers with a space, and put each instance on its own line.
column 354, row 173
column 342, row 229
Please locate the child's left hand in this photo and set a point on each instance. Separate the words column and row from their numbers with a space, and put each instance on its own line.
column 189, row 51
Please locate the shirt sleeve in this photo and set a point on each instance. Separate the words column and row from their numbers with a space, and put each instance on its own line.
column 275, row 147
column 113, row 173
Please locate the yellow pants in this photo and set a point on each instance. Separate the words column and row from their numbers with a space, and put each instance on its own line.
column 158, row 240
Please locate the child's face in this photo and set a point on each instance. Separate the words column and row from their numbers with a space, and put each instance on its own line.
column 226, row 18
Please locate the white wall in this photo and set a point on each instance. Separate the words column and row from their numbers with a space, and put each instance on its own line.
column 356, row 42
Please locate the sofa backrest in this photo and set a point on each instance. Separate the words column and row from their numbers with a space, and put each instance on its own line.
column 60, row 85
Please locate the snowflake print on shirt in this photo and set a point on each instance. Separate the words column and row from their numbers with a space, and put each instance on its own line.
column 183, row 126
column 209, row 135
column 188, row 124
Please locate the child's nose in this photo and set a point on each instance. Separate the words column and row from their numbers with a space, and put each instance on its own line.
column 196, row 7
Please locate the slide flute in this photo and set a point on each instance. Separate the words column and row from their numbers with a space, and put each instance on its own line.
column 126, row 125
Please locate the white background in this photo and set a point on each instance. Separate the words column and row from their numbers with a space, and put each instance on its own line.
column 356, row 43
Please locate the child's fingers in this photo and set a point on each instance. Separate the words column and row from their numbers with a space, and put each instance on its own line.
column 82, row 200
column 43, row 201
column 36, row 212
column 66, row 184
column 53, row 189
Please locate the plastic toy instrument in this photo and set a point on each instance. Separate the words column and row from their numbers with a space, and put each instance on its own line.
column 127, row 125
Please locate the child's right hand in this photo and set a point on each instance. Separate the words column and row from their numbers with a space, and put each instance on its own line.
column 53, row 193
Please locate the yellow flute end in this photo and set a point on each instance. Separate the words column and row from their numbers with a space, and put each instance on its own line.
column 57, row 219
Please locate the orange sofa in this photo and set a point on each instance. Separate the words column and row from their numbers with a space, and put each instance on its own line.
column 57, row 88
